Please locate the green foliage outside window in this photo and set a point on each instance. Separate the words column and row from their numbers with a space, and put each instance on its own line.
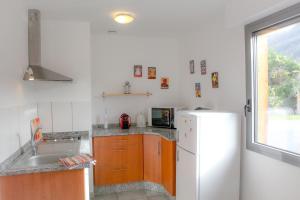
column 284, row 80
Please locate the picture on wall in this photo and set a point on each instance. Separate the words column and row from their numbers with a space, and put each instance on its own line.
column 151, row 72
column 164, row 83
column 192, row 66
column 203, row 67
column 198, row 89
column 138, row 71
column 215, row 80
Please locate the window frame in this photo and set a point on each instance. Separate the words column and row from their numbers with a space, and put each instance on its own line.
column 279, row 19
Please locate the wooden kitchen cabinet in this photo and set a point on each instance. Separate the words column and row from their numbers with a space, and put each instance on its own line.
column 134, row 158
column 168, row 160
column 119, row 159
column 60, row 185
column 110, row 155
column 152, row 158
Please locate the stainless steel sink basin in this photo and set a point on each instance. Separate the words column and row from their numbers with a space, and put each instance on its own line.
column 59, row 148
column 39, row 160
column 44, row 159
column 49, row 153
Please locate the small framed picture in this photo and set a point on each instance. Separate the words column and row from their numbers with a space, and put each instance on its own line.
column 203, row 67
column 164, row 83
column 138, row 71
column 192, row 66
column 215, row 80
column 151, row 72
column 198, row 89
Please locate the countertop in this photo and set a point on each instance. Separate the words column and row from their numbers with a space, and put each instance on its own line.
column 13, row 165
column 114, row 130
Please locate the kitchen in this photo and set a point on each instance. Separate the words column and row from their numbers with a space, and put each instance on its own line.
column 83, row 42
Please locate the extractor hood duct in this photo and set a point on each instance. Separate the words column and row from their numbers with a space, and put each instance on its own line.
column 35, row 71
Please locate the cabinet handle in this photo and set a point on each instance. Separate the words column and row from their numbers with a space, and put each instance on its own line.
column 177, row 136
column 177, row 155
column 158, row 148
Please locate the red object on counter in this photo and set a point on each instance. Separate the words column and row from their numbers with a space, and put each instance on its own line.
column 125, row 121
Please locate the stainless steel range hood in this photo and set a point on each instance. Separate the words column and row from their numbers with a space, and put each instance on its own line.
column 35, row 71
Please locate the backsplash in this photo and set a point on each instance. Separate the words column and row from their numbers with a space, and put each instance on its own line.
column 55, row 117
column 65, row 116
column 15, row 121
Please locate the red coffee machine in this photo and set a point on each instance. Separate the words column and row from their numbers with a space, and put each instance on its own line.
column 125, row 121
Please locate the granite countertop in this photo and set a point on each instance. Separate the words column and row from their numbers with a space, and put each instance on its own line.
column 114, row 130
column 17, row 164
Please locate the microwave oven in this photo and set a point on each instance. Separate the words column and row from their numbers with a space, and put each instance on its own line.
column 162, row 117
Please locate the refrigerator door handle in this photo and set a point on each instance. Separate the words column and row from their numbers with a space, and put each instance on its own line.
column 177, row 136
column 177, row 155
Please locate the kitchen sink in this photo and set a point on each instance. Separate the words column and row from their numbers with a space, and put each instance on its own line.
column 44, row 159
column 49, row 152
column 72, row 147
column 38, row 160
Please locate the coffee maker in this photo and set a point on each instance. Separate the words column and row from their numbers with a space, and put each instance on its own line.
column 125, row 121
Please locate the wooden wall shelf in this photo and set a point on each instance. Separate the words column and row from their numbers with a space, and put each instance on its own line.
column 104, row 94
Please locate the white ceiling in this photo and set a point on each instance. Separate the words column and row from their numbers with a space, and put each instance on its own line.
column 152, row 16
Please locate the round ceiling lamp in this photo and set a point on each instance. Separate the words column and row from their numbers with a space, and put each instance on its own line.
column 123, row 18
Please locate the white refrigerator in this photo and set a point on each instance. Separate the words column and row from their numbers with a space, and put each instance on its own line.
column 208, row 155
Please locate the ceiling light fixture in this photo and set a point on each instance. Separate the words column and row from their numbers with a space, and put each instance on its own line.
column 123, row 18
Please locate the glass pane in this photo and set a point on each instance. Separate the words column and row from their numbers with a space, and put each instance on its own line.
column 278, row 88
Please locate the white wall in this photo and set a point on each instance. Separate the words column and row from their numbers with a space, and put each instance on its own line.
column 13, row 52
column 113, row 58
column 222, row 43
column 14, row 116
column 220, row 48
column 65, row 49
column 240, row 12
column 65, row 116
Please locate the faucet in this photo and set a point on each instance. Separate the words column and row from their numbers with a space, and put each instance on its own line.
column 33, row 145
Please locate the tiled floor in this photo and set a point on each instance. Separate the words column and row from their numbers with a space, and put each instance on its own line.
column 134, row 195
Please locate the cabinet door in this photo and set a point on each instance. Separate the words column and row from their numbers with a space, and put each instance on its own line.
column 169, row 165
column 111, row 154
column 152, row 158
column 61, row 185
column 135, row 158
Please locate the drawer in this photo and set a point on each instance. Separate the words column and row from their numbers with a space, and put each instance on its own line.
column 119, row 159
column 136, row 139
column 119, row 175
column 111, row 158
column 119, row 144
column 109, row 176
column 111, row 142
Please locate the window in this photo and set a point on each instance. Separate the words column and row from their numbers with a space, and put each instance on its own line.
column 273, row 85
